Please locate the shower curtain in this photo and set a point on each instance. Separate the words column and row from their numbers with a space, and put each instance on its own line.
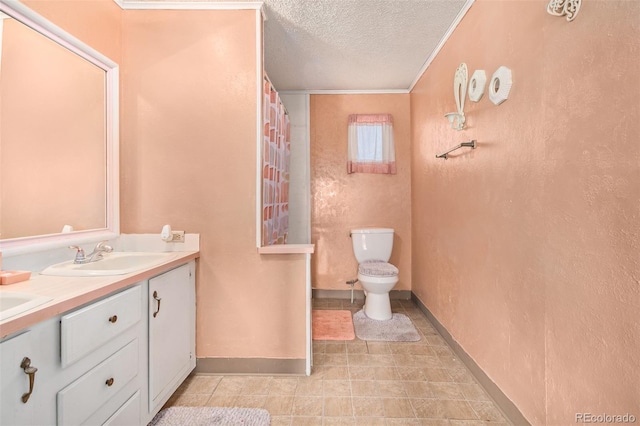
column 276, row 155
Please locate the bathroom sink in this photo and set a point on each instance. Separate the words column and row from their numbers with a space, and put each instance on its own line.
column 14, row 303
column 115, row 263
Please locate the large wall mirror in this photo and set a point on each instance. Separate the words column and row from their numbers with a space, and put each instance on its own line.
column 58, row 136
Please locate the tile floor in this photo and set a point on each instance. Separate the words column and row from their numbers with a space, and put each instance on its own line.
column 360, row 383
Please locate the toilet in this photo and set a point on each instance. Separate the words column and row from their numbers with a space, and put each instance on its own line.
column 372, row 248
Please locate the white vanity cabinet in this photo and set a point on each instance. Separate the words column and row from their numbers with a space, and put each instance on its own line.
column 114, row 361
column 171, row 332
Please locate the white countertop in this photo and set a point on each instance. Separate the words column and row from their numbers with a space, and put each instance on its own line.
column 68, row 293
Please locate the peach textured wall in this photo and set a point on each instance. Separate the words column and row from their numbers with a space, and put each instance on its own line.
column 526, row 249
column 342, row 201
column 188, row 158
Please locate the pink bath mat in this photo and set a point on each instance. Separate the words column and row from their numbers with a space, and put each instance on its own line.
column 332, row 325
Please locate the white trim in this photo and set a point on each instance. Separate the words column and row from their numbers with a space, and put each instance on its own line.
column 346, row 92
column 2, row 18
column 444, row 39
column 259, row 125
column 308, row 313
column 307, row 117
column 113, row 149
column 187, row 5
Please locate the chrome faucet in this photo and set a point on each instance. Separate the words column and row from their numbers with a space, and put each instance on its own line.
column 97, row 253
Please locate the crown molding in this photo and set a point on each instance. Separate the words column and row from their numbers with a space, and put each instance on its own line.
column 187, row 5
column 444, row 39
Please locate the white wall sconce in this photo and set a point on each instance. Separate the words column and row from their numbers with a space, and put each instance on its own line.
column 457, row 119
column 570, row 8
column 500, row 85
column 476, row 85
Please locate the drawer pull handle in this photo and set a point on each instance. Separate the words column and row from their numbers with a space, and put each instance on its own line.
column 158, row 299
column 31, row 372
column 109, row 382
column 113, row 319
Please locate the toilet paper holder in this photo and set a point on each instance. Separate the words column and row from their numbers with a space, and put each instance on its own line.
column 352, row 283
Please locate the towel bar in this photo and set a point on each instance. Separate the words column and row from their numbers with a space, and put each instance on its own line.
column 445, row 155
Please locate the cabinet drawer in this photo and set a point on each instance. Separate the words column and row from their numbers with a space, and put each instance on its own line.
column 81, row 398
column 128, row 414
column 89, row 328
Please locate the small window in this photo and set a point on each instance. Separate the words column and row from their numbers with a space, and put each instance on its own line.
column 371, row 148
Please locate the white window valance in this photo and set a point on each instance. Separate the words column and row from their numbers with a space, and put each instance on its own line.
column 371, row 148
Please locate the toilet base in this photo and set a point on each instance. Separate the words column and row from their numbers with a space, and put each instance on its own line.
column 377, row 306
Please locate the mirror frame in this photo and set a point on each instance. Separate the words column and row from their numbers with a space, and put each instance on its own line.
column 35, row 243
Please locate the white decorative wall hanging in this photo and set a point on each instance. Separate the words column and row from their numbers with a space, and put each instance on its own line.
column 457, row 119
column 500, row 85
column 476, row 85
column 570, row 8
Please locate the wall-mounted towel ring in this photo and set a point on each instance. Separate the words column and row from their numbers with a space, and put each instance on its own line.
column 476, row 85
column 500, row 85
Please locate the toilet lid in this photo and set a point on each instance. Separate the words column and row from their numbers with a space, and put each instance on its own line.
column 377, row 268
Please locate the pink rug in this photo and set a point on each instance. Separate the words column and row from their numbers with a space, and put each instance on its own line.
column 332, row 325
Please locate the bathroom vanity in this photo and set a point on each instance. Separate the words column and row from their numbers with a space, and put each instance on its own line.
column 83, row 342
column 104, row 350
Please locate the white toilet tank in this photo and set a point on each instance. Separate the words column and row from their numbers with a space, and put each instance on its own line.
column 372, row 243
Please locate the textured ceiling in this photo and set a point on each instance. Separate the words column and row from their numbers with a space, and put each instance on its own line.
column 361, row 45
column 352, row 44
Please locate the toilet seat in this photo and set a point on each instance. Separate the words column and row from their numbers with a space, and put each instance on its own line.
column 377, row 268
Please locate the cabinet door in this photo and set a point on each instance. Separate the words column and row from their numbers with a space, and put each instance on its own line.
column 171, row 331
column 15, row 382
